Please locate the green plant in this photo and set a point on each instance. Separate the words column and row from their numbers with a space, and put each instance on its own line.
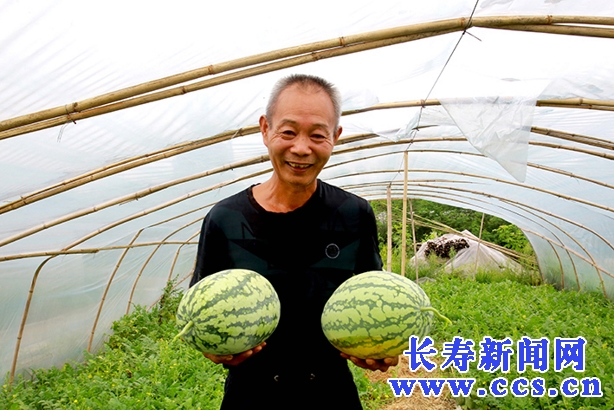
column 141, row 368
column 513, row 309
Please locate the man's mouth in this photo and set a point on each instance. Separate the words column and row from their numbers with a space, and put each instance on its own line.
column 299, row 166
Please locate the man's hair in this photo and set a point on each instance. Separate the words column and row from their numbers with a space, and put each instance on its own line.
column 305, row 80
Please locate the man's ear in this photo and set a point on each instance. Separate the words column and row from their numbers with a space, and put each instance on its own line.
column 264, row 128
column 337, row 134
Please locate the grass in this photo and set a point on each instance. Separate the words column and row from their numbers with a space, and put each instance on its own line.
column 140, row 369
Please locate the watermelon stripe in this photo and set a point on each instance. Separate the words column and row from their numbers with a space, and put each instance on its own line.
column 232, row 310
column 374, row 314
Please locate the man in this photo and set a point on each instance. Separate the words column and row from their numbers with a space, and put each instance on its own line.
column 306, row 237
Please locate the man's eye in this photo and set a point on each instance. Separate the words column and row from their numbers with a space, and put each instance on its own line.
column 318, row 136
column 288, row 133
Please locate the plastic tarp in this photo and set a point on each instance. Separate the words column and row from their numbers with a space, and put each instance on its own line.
column 102, row 203
column 466, row 254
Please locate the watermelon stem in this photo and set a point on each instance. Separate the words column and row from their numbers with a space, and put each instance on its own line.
column 185, row 329
column 436, row 312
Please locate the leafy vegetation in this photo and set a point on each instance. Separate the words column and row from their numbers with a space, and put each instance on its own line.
column 508, row 308
column 140, row 368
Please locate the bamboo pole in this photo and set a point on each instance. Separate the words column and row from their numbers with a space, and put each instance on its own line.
column 560, row 264
column 305, row 49
column 477, row 252
column 529, row 164
column 562, row 29
column 430, row 139
column 404, row 232
column 106, row 290
column 341, row 152
column 45, row 253
column 514, row 254
column 192, row 145
column 583, row 139
column 151, row 255
column 138, row 276
column 389, row 236
column 278, row 59
column 130, row 197
column 85, row 250
column 176, row 257
column 477, row 176
column 547, row 169
column 167, row 204
column 24, row 318
column 604, row 155
column 538, row 189
column 125, row 165
column 413, row 234
column 591, row 262
column 506, row 200
column 222, row 79
column 578, row 255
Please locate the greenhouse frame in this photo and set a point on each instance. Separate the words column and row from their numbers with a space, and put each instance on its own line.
column 123, row 123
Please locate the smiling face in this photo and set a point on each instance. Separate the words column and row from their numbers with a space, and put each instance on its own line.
column 300, row 136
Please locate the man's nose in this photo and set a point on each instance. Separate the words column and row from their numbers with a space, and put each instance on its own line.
column 301, row 145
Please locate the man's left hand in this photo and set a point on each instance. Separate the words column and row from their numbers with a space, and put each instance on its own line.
column 372, row 364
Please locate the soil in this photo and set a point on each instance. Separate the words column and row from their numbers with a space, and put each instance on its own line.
column 416, row 401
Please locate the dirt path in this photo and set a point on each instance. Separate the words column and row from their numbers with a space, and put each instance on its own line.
column 416, row 401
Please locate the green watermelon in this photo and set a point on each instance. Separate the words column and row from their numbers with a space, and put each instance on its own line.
column 229, row 312
column 372, row 315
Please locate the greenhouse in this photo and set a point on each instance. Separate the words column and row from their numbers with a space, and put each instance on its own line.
column 123, row 123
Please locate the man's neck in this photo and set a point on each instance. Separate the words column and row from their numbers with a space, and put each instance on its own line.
column 274, row 196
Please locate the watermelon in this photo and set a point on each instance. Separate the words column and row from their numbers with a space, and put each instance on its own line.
column 228, row 312
column 372, row 315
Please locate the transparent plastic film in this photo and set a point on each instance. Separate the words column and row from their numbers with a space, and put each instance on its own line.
column 497, row 126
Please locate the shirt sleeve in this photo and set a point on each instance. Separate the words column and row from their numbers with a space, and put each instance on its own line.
column 211, row 256
column 368, row 257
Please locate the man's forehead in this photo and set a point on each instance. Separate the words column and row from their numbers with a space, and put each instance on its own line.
column 313, row 125
column 296, row 93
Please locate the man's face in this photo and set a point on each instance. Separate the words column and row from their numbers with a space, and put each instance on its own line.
column 301, row 135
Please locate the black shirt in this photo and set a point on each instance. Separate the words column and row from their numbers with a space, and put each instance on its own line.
column 305, row 254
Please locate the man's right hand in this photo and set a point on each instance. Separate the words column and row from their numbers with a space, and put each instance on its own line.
column 234, row 359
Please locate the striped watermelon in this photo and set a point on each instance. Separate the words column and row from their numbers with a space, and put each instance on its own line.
column 372, row 315
column 228, row 312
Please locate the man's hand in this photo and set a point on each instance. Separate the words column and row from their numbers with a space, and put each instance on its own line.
column 233, row 360
column 371, row 364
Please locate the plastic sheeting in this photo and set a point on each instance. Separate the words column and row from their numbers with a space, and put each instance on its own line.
column 123, row 194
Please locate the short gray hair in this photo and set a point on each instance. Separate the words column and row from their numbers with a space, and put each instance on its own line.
column 305, row 80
